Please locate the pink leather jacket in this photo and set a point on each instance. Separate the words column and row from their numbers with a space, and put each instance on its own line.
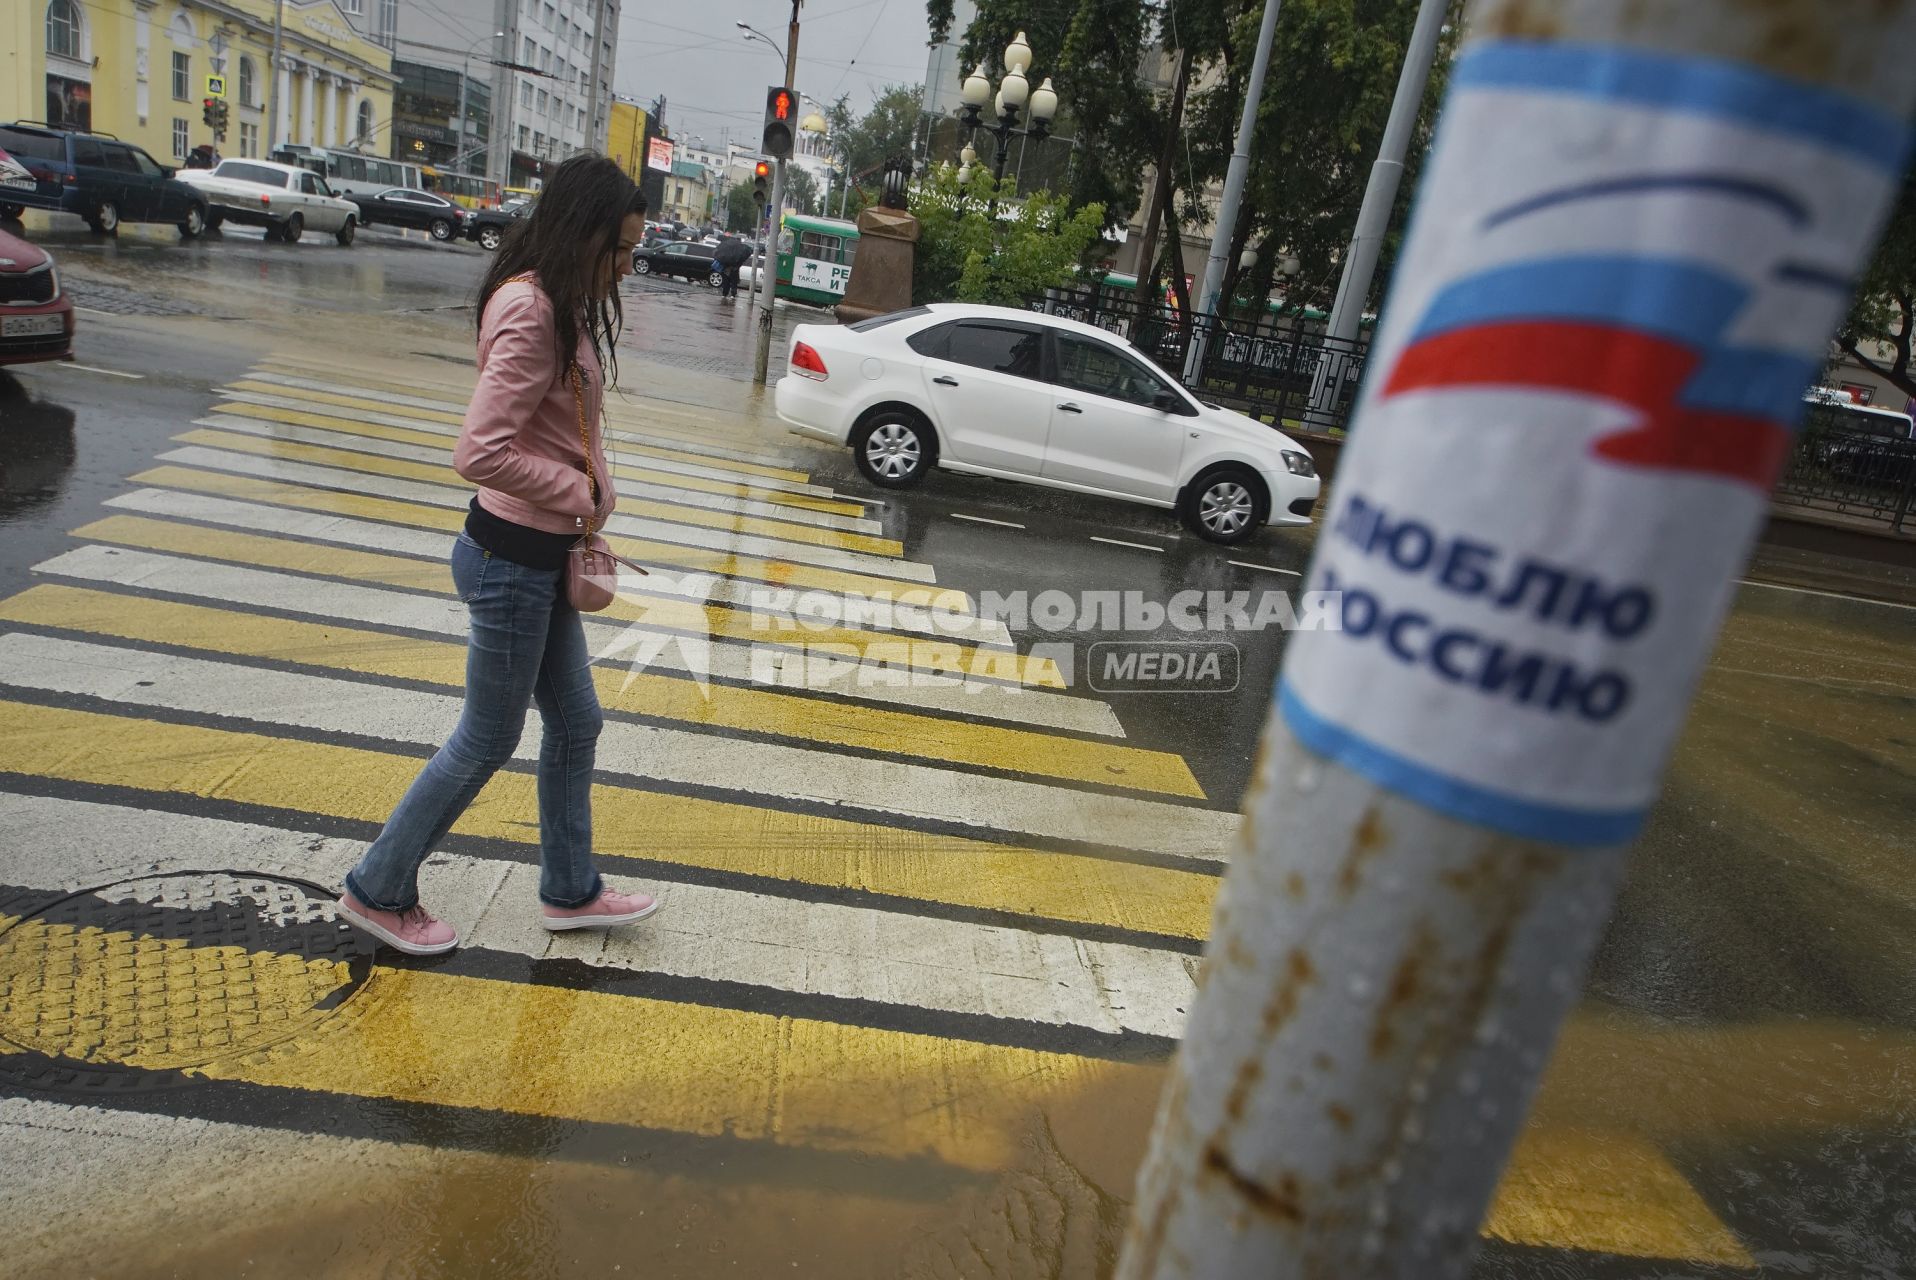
column 520, row 441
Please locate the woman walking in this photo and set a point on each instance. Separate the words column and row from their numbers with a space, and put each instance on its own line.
column 549, row 314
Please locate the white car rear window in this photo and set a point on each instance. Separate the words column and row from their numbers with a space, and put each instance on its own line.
column 243, row 172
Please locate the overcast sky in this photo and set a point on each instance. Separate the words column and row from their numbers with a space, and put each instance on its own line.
column 714, row 79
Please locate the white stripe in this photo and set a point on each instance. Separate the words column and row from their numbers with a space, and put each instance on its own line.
column 372, row 606
column 1831, row 595
column 728, row 935
column 901, row 789
column 1244, row 564
column 348, row 389
column 850, row 610
column 1141, row 546
column 1002, row 524
column 716, row 471
column 375, row 485
column 111, row 373
column 442, row 457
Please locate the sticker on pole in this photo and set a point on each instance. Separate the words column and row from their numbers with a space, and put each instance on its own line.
column 1591, row 370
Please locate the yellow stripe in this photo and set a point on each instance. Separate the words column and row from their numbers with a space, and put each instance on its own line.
column 713, row 835
column 423, row 516
column 696, row 428
column 1606, row 1193
column 454, row 1041
column 444, row 443
column 323, row 560
column 431, row 473
column 337, row 400
column 346, row 648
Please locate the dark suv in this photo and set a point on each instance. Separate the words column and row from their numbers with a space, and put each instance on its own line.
column 95, row 175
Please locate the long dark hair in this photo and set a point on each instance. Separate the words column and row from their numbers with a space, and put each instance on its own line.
column 569, row 239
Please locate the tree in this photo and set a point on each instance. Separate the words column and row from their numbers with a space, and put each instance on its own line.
column 801, row 188
column 966, row 255
column 1885, row 307
column 741, row 210
column 1333, row 73
column 1090, row 50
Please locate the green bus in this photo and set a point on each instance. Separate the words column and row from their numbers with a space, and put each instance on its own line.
column 815, row 258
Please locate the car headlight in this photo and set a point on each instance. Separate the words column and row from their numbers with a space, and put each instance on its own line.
column 1298, row 464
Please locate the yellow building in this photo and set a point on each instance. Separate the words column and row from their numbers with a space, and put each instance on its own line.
column 138, row 69
column 625, row 139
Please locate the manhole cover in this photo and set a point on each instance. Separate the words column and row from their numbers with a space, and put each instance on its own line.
column 125, row 985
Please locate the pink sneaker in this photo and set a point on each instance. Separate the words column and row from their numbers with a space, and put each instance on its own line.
column 608, row 909
column 414, row 932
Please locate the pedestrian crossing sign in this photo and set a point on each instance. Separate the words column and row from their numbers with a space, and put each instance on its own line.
column 216, row 86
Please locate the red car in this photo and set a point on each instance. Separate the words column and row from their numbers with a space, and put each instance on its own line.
column 36, row 317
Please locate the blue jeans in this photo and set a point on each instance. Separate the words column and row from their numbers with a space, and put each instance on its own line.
column 526, row 644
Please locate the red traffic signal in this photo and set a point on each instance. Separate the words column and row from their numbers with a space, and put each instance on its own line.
column 763, row 169
column 780, row 102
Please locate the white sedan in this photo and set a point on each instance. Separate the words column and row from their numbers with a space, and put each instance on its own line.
column 1023, row 396
column 286, row 200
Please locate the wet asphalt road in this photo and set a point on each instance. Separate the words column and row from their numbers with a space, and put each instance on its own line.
column 1751, row 1016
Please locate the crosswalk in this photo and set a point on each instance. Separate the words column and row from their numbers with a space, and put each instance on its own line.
column 908, row 905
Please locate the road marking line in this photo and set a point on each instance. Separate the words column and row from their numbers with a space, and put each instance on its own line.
column 194, row 764
column 374, row 485
column 736, row 478
column 654, row 612
column 95, row 311
column 738, row 767
column 1245, row 564
column 725, row 935
column 1141, row 546
column 111, row 373
column 1003, row 524
column 442, row 473
column 1833, row 595
column 754, row 709
column 628, row 1060
column 910, row 611
column 436, row 511
column 381, row 442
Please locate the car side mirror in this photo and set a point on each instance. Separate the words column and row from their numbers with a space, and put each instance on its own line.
column 1167, row 402
column 168, row 173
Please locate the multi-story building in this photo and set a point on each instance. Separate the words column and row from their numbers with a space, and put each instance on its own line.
column 138, row 69
column 548, row 66
column 691, row 194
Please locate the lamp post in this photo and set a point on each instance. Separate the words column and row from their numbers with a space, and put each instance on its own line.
column 1013, row 96
column 465, row 75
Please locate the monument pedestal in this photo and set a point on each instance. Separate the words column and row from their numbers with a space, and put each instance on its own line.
column 881, row 274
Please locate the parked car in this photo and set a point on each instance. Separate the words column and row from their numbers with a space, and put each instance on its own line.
column 406, row 207
column 687, row 260
column 1002, row 392
column 95, row 175
column 36, row 316
column 488, row 227
column 286, row 200
column 1861, row 444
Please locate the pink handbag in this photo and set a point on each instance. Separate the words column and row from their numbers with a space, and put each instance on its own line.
column 591, row 568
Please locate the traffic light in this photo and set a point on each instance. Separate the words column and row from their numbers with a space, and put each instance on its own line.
column 220, row 110
column 780, row 106
column 761, row 173
column 206, row 111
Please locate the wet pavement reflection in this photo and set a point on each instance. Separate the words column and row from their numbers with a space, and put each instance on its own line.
column 36, row 451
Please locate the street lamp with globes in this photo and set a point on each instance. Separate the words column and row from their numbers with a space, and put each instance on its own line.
column 1014, row 96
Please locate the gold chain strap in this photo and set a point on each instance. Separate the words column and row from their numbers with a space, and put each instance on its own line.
column 585, row 438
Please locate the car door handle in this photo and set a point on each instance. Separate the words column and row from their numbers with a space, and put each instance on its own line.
column 946, row 382
column 1068, row 407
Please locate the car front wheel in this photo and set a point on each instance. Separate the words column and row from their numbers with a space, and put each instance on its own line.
column 193, row 223
column 489, row 238
column 894, row 449
column 1225, row 506
column 716, row 279
column 346, row 232
column 640, row 267
column 441, row 230
column 106, row 219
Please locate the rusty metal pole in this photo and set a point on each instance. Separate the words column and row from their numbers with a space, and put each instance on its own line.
column 1637, row 231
